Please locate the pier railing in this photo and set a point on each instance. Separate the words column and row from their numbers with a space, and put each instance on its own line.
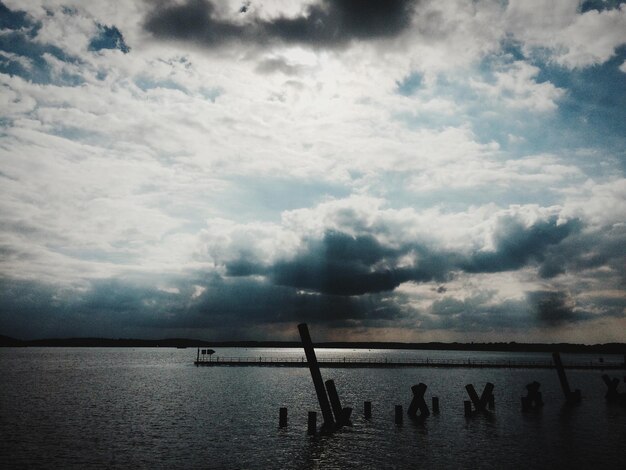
column 353, row 361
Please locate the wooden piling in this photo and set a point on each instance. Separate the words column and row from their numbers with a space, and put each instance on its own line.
column 467, row 405
column 556, row 357
column 334, row 401
column 312, row 423
column 418, row 403
column 282, row 417
column 435, row 402
column 314, row 368
column 612, row 384
column 473, row 395
column 570, row 397
column 533, row 397
column 367, row 409
column 398, row 418
column 487, row 396
column 344, row 419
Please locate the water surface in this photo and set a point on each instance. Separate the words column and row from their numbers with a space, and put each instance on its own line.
column 150, row 407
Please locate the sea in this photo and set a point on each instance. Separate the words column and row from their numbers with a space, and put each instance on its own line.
column 152, row 408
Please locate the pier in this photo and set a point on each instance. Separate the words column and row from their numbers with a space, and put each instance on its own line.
column 390, row 363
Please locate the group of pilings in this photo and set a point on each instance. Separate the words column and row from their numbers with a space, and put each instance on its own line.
column 335, row 416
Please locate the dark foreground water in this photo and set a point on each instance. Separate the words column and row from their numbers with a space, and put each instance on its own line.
column 121, row 408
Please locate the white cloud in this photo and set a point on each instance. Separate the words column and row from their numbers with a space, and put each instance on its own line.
column 517, row 87
column 572, row 39
column 600, row 203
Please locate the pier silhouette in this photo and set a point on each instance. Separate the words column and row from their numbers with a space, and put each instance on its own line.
column 397, row 362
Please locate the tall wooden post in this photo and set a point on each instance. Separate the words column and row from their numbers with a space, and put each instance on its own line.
column 570, row 397
column 561, row 372
column 198, row 356
column 316, row 375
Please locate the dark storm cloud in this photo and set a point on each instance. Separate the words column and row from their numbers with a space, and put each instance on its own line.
column 517, row 245
column 478, row 312
column 120, row 306
column 328, row 23
column 554, row 308
column 583, row 251
column 341, row 264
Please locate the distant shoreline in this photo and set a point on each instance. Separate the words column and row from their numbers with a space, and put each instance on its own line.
column 607, row 348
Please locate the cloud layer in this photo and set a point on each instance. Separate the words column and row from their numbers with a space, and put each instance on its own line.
column 402, row 170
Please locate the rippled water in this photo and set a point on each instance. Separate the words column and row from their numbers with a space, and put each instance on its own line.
column 119, row 408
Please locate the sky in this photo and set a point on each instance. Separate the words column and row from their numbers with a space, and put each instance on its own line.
column 399, row 170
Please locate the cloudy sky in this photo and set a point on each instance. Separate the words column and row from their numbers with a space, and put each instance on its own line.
column 384, row 170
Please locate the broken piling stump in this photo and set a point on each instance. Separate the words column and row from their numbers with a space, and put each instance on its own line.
column 486, row 398
column 367, row 409
column 435, row 401
column 342, row 415
column 612, row 394
column 282, row 417
column 533, row 397
column 398, row 416
column 418, row 402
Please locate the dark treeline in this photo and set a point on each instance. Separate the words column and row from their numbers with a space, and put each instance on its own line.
column 608, row 348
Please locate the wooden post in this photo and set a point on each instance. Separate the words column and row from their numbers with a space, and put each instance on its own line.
column 533, row 397
column 486, row 396
column 198, row 356
column 418, row 403
column 612, row 393
column 398, row 418
column 561, row 372
column 344, row 419
column 473, row 396
column 322, row 398
column 282, row 417
column 467, row 405
column 435, row 405
column 334, row 401
column 480, row 404
column 570, row 397
column 312, row 423
column 367, row 409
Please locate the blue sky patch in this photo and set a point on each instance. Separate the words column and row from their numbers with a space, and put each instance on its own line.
column 109, row 37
